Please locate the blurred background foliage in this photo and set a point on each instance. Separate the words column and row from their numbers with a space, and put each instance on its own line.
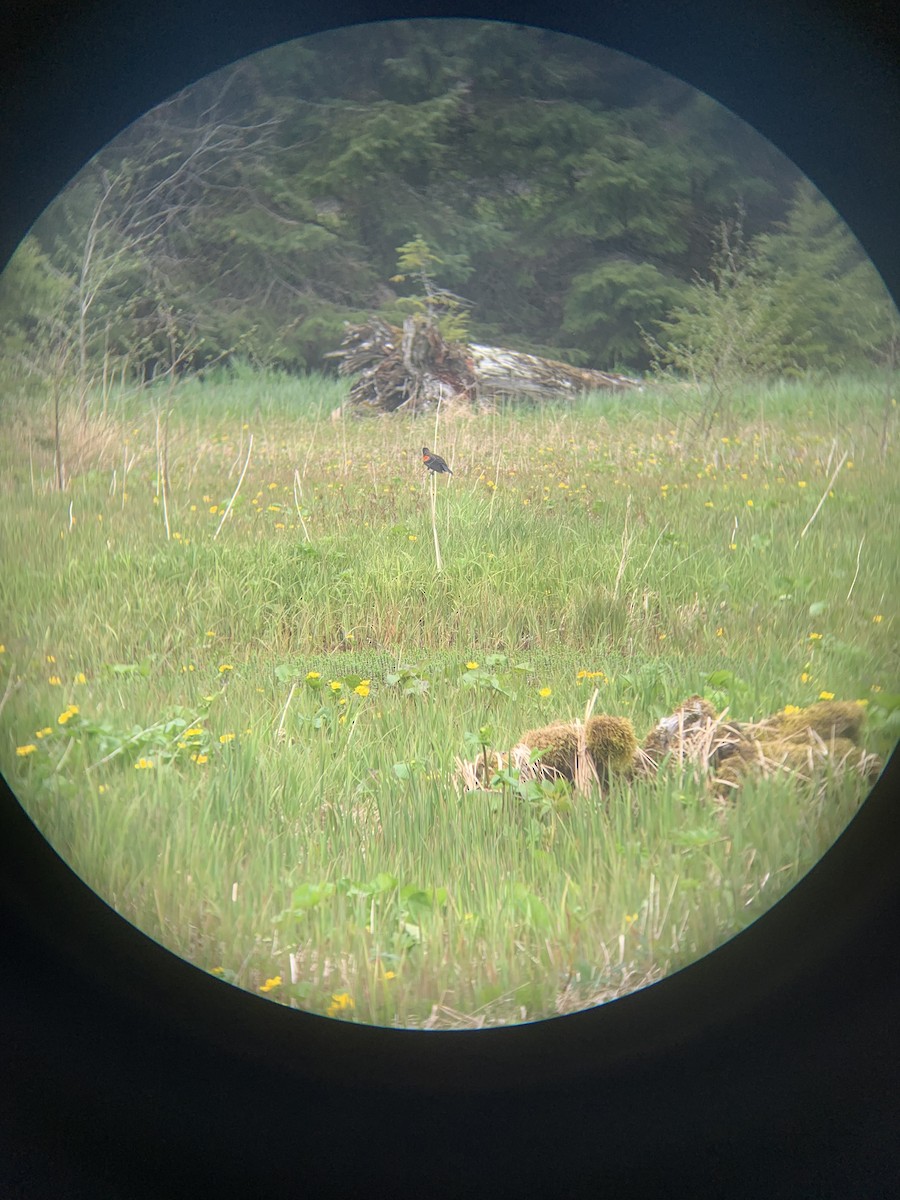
column 568, row 200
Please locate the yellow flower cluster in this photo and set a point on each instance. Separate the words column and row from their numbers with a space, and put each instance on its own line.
column 70, row 712
column 271, row 984
column 340, row 1003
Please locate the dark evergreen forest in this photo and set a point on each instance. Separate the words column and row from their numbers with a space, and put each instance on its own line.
column 566, row 200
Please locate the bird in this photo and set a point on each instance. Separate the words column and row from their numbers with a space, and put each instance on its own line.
column 434, row 462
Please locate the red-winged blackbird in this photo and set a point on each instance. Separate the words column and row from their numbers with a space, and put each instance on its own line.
column 434, row 462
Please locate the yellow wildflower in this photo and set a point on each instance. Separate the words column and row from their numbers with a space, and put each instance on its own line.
column 801, row 483
column 225, row 667
column 42, row 733
column 65, row 717
column 55, row 680
column 876, row 620
column 815, row 637
column 545, row 692
column 271, row 984
column 81, row 677
column 335, row 685
column 340, row 1002
column 362, row 688
column 224, row 738
column 471, row 666
column 805, row 678
column 313, row 675
column 826, row 695
column 24, row 751
column 791, row 708
column 200, row 758
column 143, row 764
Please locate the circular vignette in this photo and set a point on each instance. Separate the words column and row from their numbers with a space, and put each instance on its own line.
column 859, row 858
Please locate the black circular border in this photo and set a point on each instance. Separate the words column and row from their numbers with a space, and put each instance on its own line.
column 767, row 1067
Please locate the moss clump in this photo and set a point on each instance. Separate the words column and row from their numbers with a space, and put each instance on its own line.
column 610, row 741
column 558, row 743
column 829, row 719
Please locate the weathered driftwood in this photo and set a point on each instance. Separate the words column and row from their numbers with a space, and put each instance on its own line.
column 509, row 371
column 415, row 368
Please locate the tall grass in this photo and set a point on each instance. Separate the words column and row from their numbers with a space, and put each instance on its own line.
column 260, row 770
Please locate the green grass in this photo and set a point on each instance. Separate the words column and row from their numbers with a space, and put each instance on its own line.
column 309, row 821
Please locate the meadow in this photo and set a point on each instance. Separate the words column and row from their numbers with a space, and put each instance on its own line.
column 235, row 704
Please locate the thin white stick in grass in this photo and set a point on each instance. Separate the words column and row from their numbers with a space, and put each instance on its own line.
column 627, row 539
column 298, row 492
column 437, row 548
column 278, row 731
column 494, row 488
column 71, row 514
column 856, row 574
column 437, row 413
column 652, row 550
column 585, row 773
column 158, row 458
column 237, row 489
column 162, row 477
column 824, row 495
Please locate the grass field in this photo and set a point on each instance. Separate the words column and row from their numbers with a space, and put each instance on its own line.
column 243, row 733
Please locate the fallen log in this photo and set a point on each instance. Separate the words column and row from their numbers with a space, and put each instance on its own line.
column 500, row 371
column 414, row 368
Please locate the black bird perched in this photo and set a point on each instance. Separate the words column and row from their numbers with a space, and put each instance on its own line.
column 434, row 462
